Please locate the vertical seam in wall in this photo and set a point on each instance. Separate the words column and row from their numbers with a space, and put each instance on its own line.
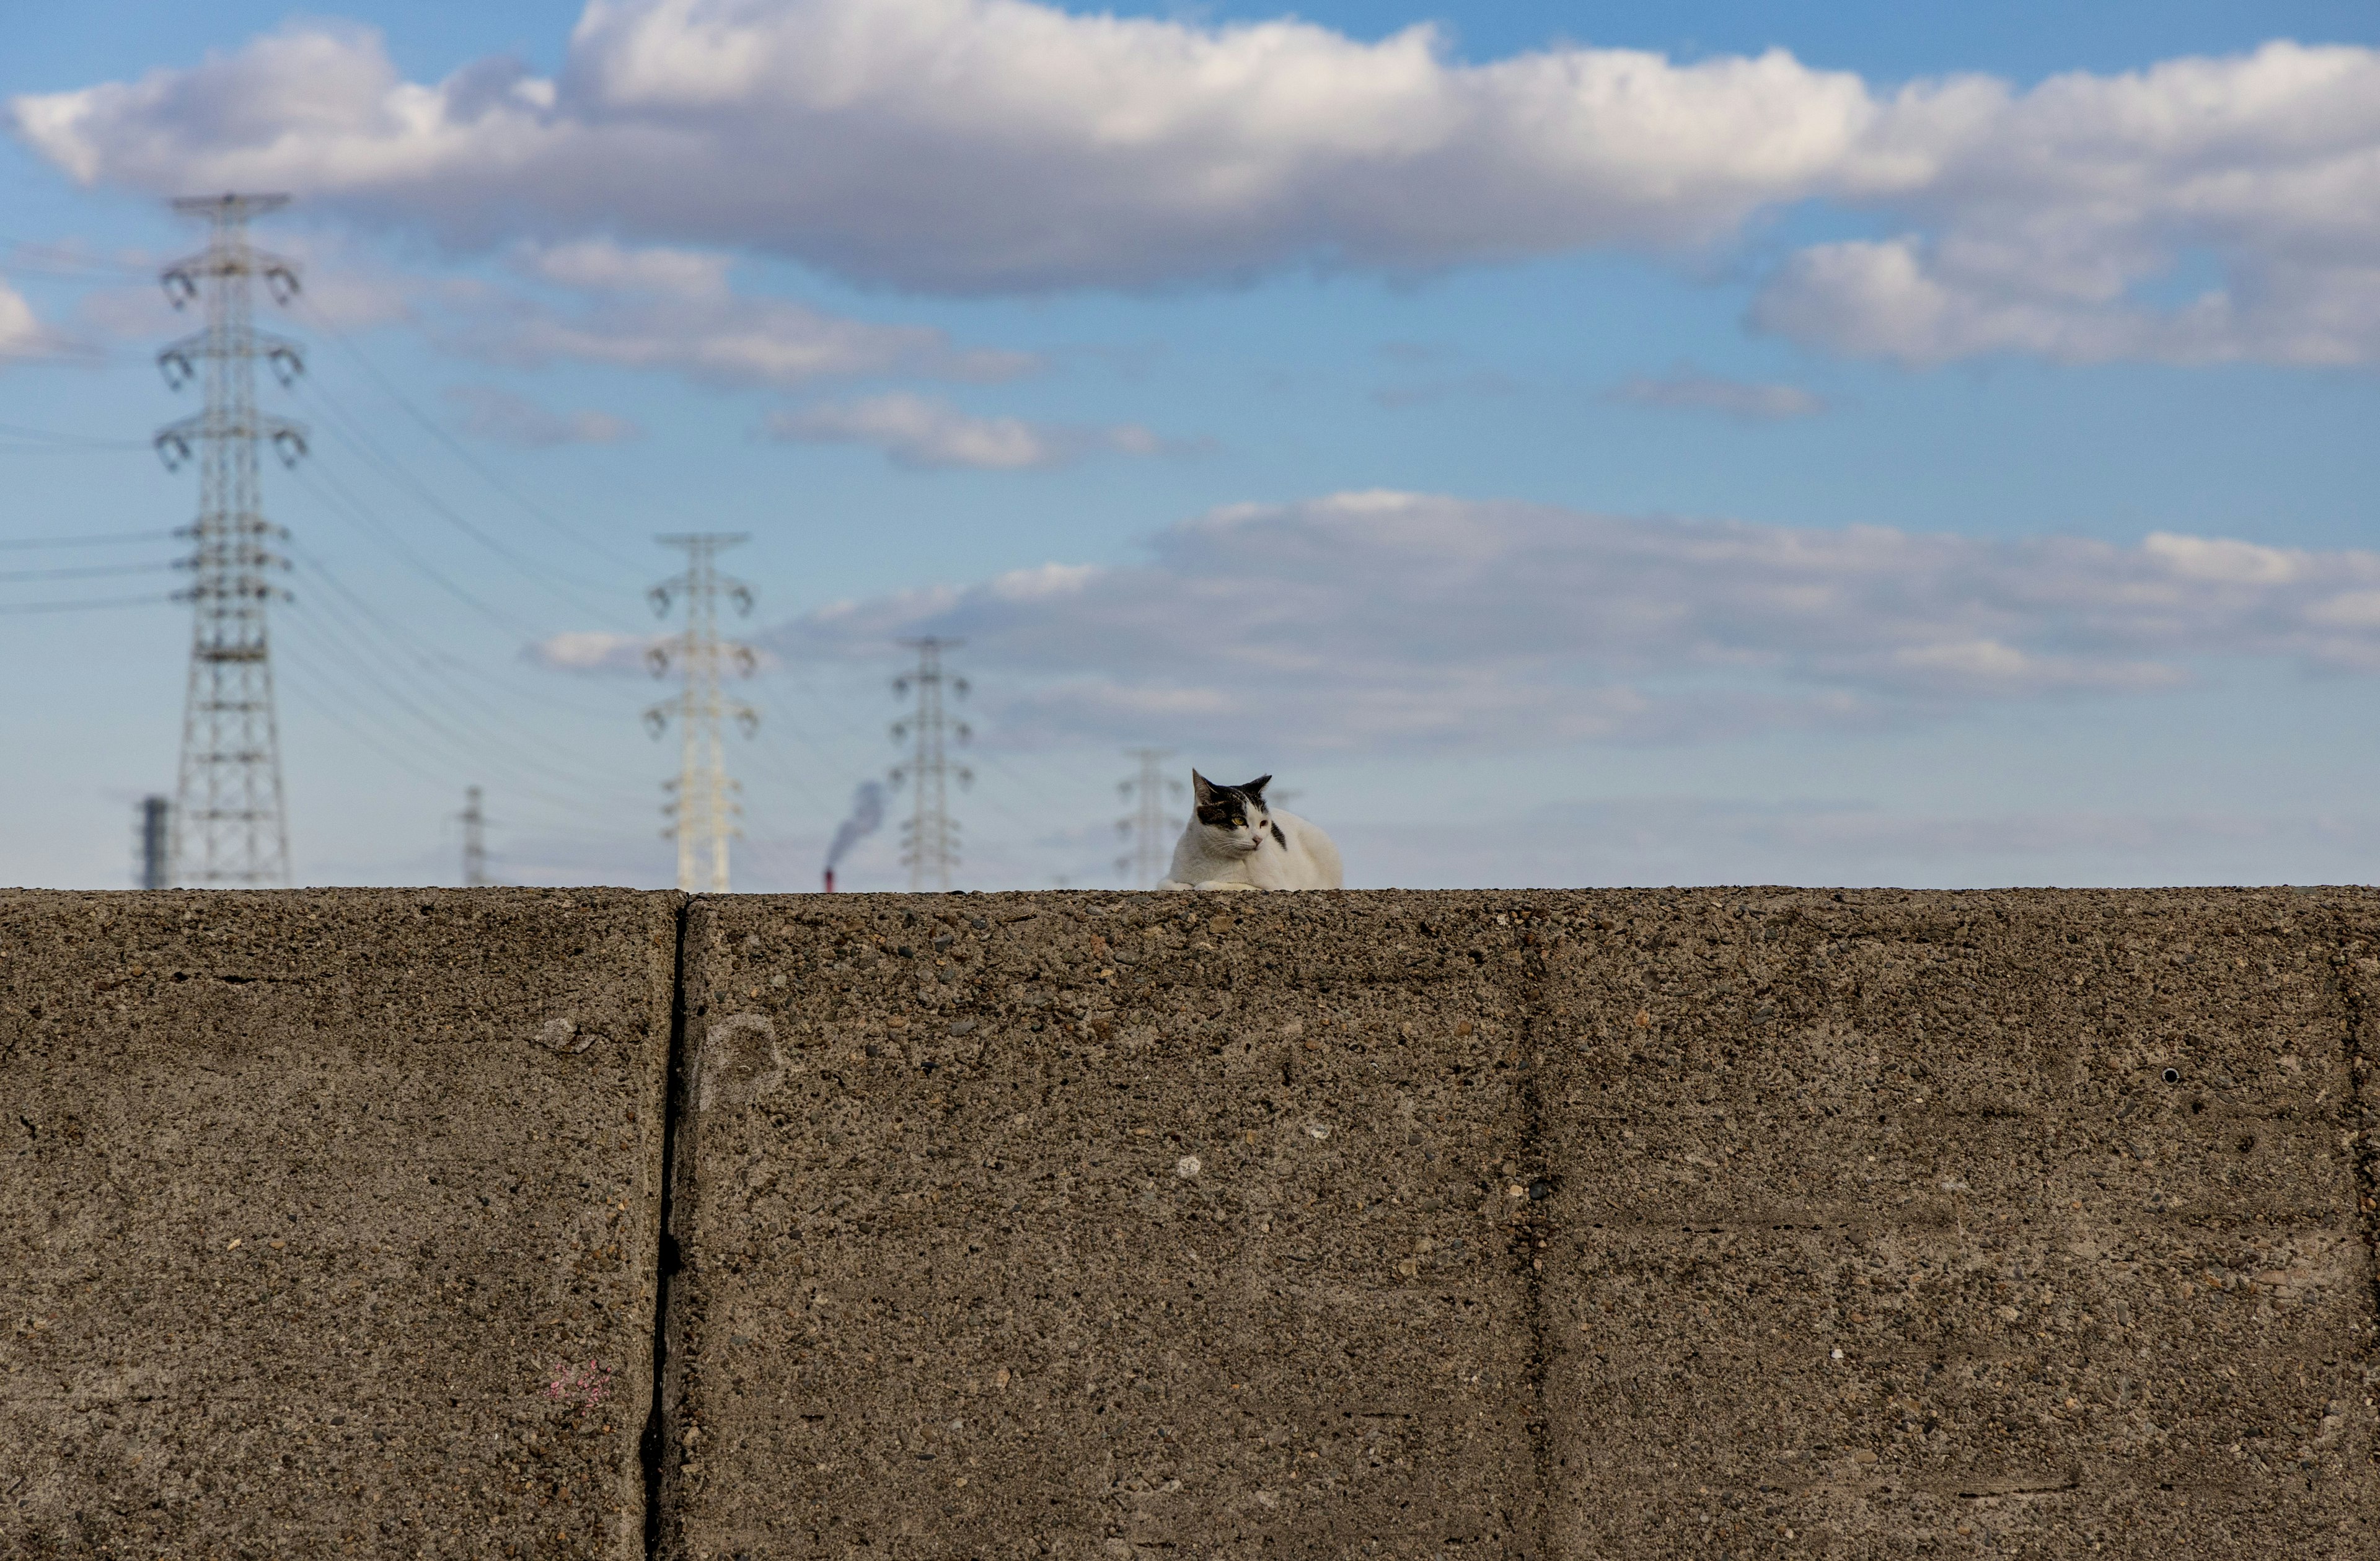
column 649, row 1447
column 1535, row 1227
column 2363, row 1154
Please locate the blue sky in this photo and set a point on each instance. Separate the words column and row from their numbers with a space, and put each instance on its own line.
column 1584, row 449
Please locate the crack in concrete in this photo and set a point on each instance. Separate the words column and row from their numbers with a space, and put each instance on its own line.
column 652, row 1447
column 1535, row 1226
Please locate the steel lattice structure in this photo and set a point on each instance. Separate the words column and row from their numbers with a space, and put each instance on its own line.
column 475, row 840
column 930, row 840
column 703, row 809
column 1147, row 823
column 230, row 826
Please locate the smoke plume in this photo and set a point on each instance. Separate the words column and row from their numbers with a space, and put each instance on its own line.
column 867, row 817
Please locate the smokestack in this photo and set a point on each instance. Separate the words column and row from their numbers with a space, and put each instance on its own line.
column 867, row 817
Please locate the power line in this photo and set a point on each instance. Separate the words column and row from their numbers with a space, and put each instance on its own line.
column 108, row 539
column 231, row 826
column 51, row 436
column 348, row 427
column 93, row 605
column 344, row 501
column 59, row 261
column 298, row 678
column 931, row 839
column 86, row 571
column 466, row 746
column 459, row 450
column 703, row 814
column 415, row 654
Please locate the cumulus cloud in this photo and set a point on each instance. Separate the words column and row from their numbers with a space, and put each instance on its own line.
column 1687, row 390
column 2046, row 222
column 22, row 335
column 978, row 146
column 925, row 434
column 508, row 418
column 676, row 310
column 988, row 144
column 1377, row 621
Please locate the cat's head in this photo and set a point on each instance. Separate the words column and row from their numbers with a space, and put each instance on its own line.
column 1233, row 819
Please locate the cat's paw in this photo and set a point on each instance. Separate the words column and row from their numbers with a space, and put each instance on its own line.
column 1221, row 885
column 1177, row 884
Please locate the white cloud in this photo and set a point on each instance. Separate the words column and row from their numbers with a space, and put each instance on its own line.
column 1688, row 390
column 989, row 144
column 976, row 146
column 925, row 434
column 675, row 310
column 2046, row 223
column 594, row 651
column 21, row 333
column 1377, row 621
column 511, row 419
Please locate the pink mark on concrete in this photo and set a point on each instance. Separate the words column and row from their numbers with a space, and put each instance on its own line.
column 591, row 1383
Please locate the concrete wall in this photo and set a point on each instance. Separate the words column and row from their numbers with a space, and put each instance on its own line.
column 309, row 1200
column 1724, row 1222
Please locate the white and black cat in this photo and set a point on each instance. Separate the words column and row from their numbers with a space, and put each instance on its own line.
column 1236, row 841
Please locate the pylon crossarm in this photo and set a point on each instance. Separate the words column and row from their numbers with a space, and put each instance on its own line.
column 231, row 341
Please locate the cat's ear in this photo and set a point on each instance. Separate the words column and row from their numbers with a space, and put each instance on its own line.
column 1255, row 786
column 1202, row 788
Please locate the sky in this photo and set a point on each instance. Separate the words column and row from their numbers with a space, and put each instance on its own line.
column 1564, row 444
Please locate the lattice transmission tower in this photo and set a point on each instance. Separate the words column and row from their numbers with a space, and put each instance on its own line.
column 702, row 807
column 152, row 844
column 475, row 840
column 1147, row 823
column 229, row 823
column 930, row 841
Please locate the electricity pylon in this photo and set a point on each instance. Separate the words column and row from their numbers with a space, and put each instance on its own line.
column 702, row 813
column 474, row 842
column 929, row 842
column 1146, row 824
column 229, row 825
column 155, row 837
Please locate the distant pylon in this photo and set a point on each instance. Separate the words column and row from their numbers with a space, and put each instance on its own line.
column 229, row 825
column 1146, row 861
column 475, row 840
column 154, row 837
column 703, row 814
column 930, row 841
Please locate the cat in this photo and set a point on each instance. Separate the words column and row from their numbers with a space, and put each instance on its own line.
column 1236, row 841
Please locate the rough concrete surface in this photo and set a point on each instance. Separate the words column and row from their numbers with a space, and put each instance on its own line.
column 1712, row 1223
column 1759, row 1222
column 1081, row 1226
column 1899, row 1225
column 327, row 1221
